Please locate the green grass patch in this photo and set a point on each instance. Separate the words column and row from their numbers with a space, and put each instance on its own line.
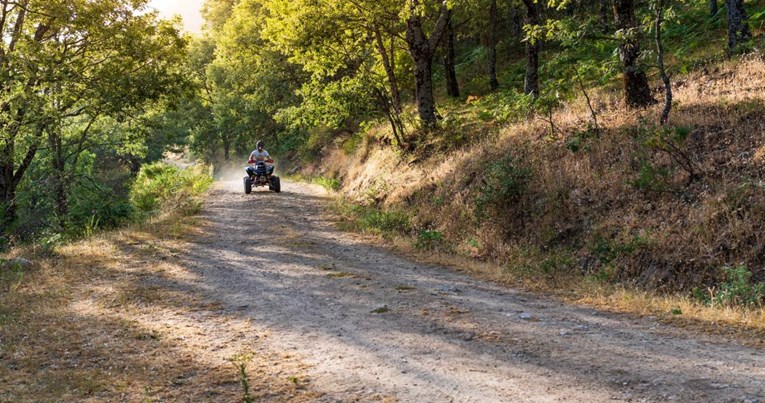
column 375, row 220
column 11, row 276
column 737, row 290
column 327, row 183
column 164, row 187
column 429, row 239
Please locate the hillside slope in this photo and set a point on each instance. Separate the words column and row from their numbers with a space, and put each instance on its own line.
column 635, row 203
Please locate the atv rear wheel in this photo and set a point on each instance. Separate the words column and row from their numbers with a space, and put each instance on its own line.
column 247, row 185
column 275, row 184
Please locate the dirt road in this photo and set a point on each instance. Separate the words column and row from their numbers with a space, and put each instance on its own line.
column 368, row 325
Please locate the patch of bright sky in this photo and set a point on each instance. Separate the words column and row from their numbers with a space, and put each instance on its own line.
column 187, row 9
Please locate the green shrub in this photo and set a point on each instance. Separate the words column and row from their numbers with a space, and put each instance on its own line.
column 651, row 178
column 503, row 184
column 556, row 263
column 429, row 239
column 328, row 183
column 607, row 250
column 507, row 106
column 577, row 142
column 161, row 186
column 89, row 208
column 736, row 290
column 393, row 221
column 372, row 219
column 352, row 143
column 48, row 242
column 670, row 141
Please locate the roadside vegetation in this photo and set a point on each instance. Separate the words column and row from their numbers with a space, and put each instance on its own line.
column 613, row 221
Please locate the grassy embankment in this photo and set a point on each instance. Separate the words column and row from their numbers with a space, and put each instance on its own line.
column 631, row 216
column 117, row 316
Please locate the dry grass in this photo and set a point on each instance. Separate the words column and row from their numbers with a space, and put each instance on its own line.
column 115, row 318
column 583, row 214
column 746, row 325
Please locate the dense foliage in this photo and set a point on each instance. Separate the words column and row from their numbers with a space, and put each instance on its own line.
column 302, row 74
column 87, row 90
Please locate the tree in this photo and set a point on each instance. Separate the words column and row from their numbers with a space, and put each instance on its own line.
column 248, row 80
column 713, row 8
column 65, row 60
column 421, row 49
column 533, row 22
column 738, row 24
column 481, row 28
column 492, row 42
column 113, row 77
column 637, row 93
column 659, row 7
column 217, row 12
column 390, row 100
column 24, row 32
column 603, row 11
column 450, row 62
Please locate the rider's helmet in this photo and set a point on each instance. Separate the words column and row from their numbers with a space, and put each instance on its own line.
column 259, row 145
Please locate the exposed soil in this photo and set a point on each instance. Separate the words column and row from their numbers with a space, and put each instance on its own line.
column 362, row 323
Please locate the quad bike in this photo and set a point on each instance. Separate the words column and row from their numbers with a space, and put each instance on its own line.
column 261, row 175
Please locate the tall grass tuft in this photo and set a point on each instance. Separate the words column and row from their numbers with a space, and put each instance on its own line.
column 164, row 187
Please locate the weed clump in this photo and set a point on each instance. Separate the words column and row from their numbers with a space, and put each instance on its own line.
column 736, row 291
column 328, row 183
column 503, row 184
column 241, row 362
column 429, row 239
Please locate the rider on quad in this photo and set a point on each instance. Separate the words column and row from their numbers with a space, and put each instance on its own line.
column 260, row 172
column 260, row 155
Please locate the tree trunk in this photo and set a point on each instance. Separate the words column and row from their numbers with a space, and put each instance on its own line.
column 493, row 28
column 604, row 10
column 226, row 147
column 636, row 90
column 395, row 94
column 531, row 80
column 58, row 174
column 7, row 185
column 738, row 24
column 135, row 165
column 423, row 81
column 10, row 175
column 422, row 49
column 394, row 117
column 450, row 62
column 516, row 22
column 390, row 100
column 713, row 8
column 660, row 61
